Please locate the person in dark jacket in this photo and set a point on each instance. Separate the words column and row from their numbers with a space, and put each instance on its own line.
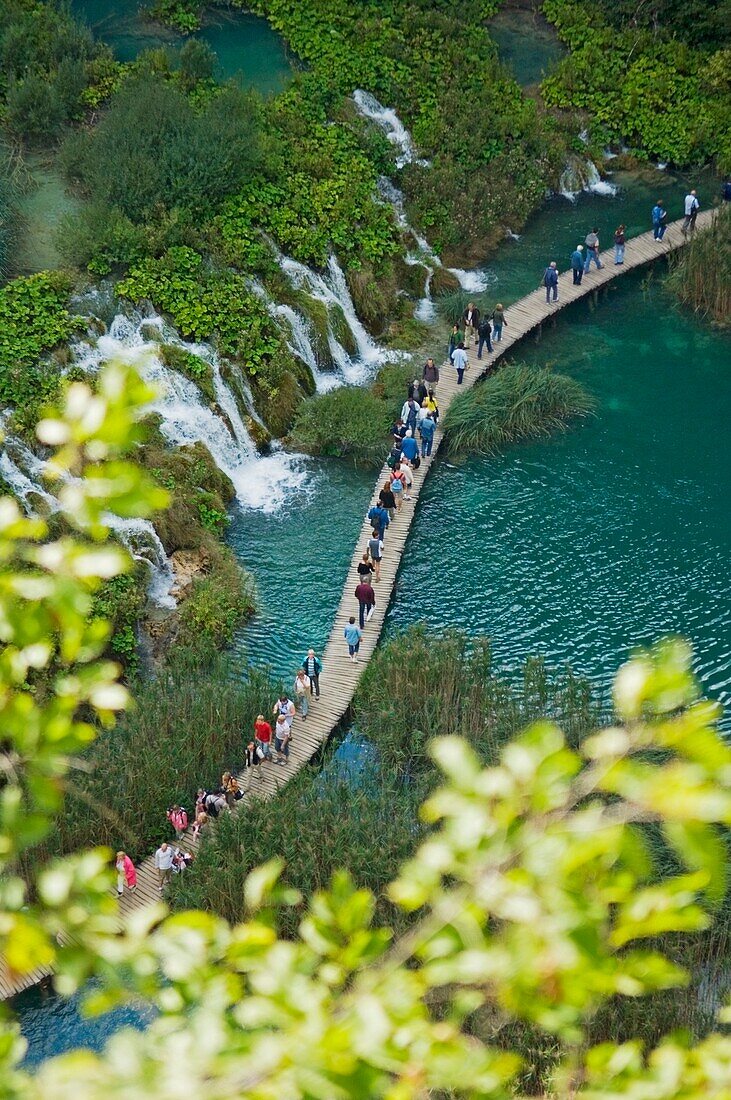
column 379, row 519
column 577, row 264
column 471, row 323
column 417, row 391
column 620, row 241
column 485, row 332
column 366, row 597
column 454, row 338
column 430, row 374
column 550, row 281
column 313, row 667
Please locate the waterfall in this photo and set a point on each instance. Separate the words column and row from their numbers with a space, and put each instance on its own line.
column 583, row 175
column 392, row 126
column 262, row 482
column 300, row 338
column 474, row 281
column 23, row 471
column 332, row 290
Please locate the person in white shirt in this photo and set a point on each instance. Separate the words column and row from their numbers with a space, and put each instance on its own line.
column 461, row 361
column 690, row 209
column 164, row 864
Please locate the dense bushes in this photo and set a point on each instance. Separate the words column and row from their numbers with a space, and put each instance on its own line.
column 518, row 402
column 348, row 422
column 641, row 85
column 34, row 319
column 152, row 149
column 701, row 273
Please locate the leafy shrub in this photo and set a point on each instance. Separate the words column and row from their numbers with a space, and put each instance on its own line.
column 99, row 237
column 183, row 15
column 218, row 604
column 347, row 422
column 121, row 602
column 152, row 149
column 197, row 63
column 518, row 402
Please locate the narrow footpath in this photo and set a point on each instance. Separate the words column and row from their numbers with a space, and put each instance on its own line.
column 340, row 675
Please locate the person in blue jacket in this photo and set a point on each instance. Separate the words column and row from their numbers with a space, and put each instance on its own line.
column 550, row 281
column 577, row 264
column 409, row 447
column 659, row 218
column 313, row 667
column 427, row 429
column 379, row 519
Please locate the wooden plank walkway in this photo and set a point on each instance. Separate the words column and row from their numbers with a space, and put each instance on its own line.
column 340, row 675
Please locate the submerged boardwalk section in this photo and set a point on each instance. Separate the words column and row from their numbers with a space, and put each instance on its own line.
column 340, row 675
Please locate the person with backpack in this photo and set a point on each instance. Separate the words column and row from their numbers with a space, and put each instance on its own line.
column 619, row 245
column 178, row 818
column 313, row 668
column 659, row 220
column 352, row 635
column 592, row 250
column 498, row 320
column 366, row 598
column 215, row 803
column 484, row 332
column 577, row 264
column 375, row 550
column 550, row 281
column 126, row 873
column 378, row 516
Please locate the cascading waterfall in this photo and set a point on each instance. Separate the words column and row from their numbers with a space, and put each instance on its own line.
column 394, row 129
column 300, row 338
column 260, row 481
column 583, row 175
column 23, row 471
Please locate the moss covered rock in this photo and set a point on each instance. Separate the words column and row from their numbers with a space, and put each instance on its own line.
column 374, row 295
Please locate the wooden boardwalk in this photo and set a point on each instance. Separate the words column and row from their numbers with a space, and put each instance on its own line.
column 340, row 675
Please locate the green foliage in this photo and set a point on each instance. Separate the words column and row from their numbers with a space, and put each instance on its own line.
column 348, row 422
column 217, row 605
column 34, row 319
column 120, row 601
column 452, row 688
column 100, row 238
column 183, row 15
column 212, row 518
column 192, row 366
column 517, row 402
column 152, row 149
column 694, row 21
column 640, row 84
column 532, row 897
column 205, row 302
column 9, row 214
column 197, row 63
column 701, row 273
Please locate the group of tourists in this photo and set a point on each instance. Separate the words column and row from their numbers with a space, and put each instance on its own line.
column 587, row 253
column 478, row 329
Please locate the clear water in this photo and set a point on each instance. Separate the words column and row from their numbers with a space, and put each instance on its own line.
column 45, row 203
column 526, row 43
column 246, row 46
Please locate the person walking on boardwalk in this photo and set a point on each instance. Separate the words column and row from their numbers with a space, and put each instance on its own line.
column 178, row 818
column 427, row 429
column 365, row 568
column 379, row 517
column 126, row 873
column 659, row 220
column 454, row 339
column 409, row 447
column 398, row 483
column 550, row 281
column 284, row 707
column 620, row 241
column 471, row 322
column 691, row 206
column 461, row 362
column 366, row 597
column 375, row 550
column 353, row 635
column 386, row 499
column 577, row 264
column 282, row 738
column 164, row 865
column 591, row 242
column 417, row 391
column 301, row 690
column 263, row 737
column 498, row 320
column 409, row 413
column 313, row 667
column 432, row 405
column 430, row 374
column 484, row 332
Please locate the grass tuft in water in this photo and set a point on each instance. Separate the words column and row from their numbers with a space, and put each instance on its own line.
column 518, row 402
column 701, row 273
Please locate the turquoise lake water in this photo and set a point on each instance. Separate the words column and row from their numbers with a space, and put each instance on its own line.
column 246, row 46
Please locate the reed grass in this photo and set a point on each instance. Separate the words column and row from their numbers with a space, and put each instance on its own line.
column 700, row 274
column 517, row 402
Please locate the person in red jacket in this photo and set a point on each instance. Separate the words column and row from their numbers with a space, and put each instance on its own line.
column 126, row 874
column 366, row 598
column 178, row 818
column 263, row 736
